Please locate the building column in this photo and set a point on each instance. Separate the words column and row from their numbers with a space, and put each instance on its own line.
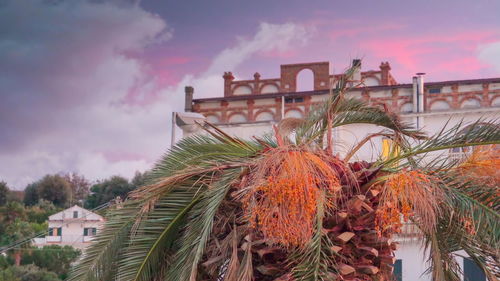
column 485, row 101
column 278, row 105
column 223, row 112
column 395, row 99
column 455, row 97
column 251, row 116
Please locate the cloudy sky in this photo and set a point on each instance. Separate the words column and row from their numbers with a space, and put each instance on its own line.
column 88, row 86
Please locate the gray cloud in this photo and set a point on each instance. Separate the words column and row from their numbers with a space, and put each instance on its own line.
column 65, row 82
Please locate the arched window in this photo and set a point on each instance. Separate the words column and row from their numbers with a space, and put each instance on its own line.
column 440, row 105
column 269, row 88
column 496, row 101
column 305, row 80
column 407, row 107
column 294, row 113
column 264, row 116
column 242, row 90
column 237, row 118
column 471, row 103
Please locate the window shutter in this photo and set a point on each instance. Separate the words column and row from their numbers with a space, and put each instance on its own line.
column 398, row 270
column 59, row 231
column 472, row 272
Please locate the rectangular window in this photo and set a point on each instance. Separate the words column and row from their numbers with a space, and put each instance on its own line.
column 55, row 231
column 472, row 272
column 75, row 214
column 398, row 270
column 434, row 90
column 89, row 231
column 294, row 100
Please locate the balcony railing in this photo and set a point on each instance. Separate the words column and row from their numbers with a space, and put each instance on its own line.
column 53, row 239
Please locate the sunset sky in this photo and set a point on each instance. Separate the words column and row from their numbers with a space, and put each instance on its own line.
column 89, row 86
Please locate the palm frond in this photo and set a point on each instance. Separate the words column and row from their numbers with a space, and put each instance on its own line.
column 100, row 259
column 481, row 132
column 315, row 262
column 199, row 227
column 148, row 249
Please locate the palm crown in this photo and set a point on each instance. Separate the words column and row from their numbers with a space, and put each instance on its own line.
column 284, row 207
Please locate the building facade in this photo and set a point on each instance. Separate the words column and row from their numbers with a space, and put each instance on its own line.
column 250, row 107
column 74, row 227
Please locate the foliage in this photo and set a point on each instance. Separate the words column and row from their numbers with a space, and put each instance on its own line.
column 107, row 190
column 27, row 273
column 4, row 190
column 55, row 189
column 52, row 258
column 80, row 187
column 40, row 212
column 31, row 195
column 286, row 208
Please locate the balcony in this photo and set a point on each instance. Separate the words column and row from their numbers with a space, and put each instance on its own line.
column 52, row 239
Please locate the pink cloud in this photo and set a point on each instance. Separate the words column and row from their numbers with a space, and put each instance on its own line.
column 451, row 53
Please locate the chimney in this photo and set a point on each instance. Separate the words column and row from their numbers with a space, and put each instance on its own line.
column 385, row 68
column 228, row 80
column 356, row 64
column 420, row 91
column 188, row 103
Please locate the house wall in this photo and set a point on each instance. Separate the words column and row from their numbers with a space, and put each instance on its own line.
column 72, row 228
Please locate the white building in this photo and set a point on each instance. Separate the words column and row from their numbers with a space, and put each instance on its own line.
column 250, row 107
column 74, row 227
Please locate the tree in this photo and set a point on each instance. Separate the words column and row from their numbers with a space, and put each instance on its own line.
column 4, row 190
column 53, row 258
column 80, row 187
column 107, row 190
column 18, row 232
column 287, row 208
column 41, row 211
column 140, row 179
column 56, row 189
column 27, row 273
column 31, row 194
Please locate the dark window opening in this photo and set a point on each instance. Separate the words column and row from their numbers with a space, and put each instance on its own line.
column 434, row 90
column 294, row 100
column 75, row 214
column 89, row 231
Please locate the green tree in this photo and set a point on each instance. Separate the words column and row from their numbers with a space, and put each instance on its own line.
column 53, row 258
column 27, row 273
column 56, row 189
column 108, row 190
column 31, row 195
column 287, row 208
column 18, row 232
column 140, row 179
column 4, row 190
column 41, row 211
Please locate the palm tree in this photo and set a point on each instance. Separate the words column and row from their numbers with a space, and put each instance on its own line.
column 283, row 207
